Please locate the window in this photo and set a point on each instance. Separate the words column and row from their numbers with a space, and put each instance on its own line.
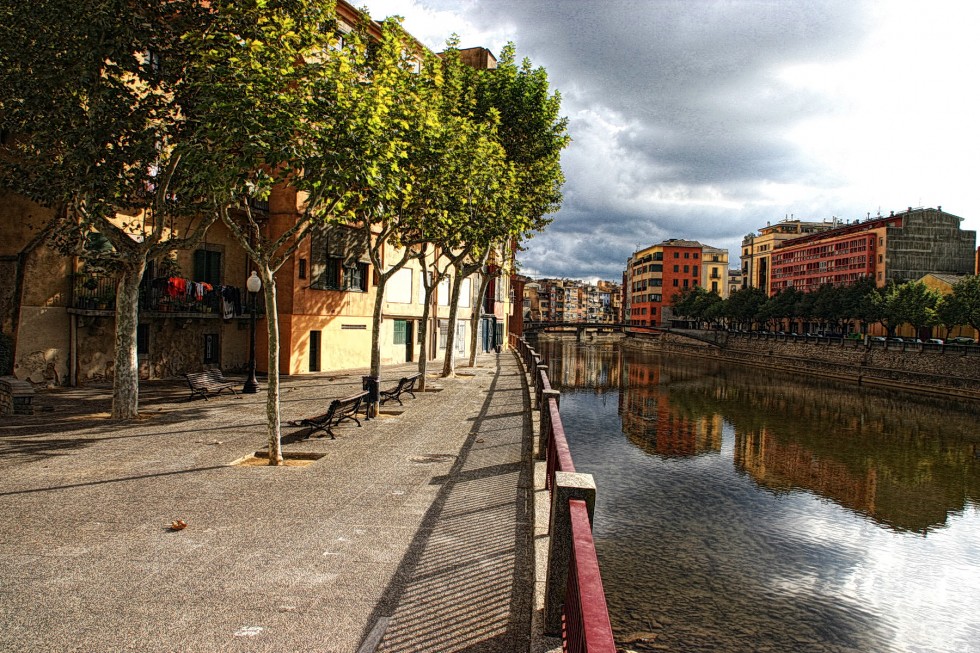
column 152, row 62
column 460, row 336
column 687, row 268
column 338, row 260
column 687, row 255
column 677, row 254
column 302, row 268
column 329, row 277
column 443, row 333
column 685, row 283
column 695, row 255
column 658, row 256
column 401, row 332
column 714, row 286
column 694, row 269
column 677, row 268
column 657, row 267
column 207, row 266
column 675, row 283
column 355, row 277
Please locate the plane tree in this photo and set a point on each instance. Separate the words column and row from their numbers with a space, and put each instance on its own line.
column 967, row 294
column 518, row 98
column 94, row 96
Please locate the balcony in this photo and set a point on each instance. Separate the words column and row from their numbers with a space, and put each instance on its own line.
column 93, row 294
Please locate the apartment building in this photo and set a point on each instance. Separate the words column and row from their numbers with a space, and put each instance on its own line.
column 734, row 280
column 714, row 271
column 757, row 248
column 900, row 247
column 656, row 274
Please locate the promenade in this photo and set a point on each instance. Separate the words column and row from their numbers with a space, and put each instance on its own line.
column 414, row 532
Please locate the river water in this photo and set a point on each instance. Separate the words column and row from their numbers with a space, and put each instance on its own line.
column 745, row 510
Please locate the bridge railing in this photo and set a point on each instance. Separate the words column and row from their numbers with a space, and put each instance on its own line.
column 575, row 603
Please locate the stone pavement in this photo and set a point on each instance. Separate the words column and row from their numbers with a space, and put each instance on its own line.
column 414, row 532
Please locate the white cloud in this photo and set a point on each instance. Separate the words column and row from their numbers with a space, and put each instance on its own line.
column 707, row 120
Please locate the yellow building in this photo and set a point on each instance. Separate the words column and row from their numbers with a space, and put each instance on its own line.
column 757, row 248
column 714, row 270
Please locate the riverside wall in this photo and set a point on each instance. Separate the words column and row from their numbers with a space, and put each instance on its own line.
column 949, row 373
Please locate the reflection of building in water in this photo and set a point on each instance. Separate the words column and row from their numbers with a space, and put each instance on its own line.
column 651, row 423
column 572, row 365
column 785, row 466
column 876, row 453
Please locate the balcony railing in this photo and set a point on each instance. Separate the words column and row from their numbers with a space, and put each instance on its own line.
column 173, row 296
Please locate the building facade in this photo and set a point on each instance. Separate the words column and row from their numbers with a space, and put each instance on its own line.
column 656, row 274
column 757, row 248
column 900, row 247
column 714, row 271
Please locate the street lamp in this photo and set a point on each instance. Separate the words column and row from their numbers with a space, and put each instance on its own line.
column 254, row 285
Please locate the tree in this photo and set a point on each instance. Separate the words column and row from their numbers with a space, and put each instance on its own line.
column 907, row 303
column 743, row 305
column 696, row 303
column 951, row 311
column 95, row 94
column 400, row 139
column 292, row 115
column 533, row 134
column 967, row 292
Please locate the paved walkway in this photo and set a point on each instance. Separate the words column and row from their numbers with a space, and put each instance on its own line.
column 411, row 533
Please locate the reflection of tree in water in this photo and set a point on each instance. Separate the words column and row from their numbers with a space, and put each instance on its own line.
column 905, row 460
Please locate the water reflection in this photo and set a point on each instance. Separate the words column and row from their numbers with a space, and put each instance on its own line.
column 748, row 511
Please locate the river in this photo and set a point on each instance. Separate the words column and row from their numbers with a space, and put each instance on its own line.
column 745, row 510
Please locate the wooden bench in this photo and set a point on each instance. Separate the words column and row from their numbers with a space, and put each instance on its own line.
column 208, row 382
column 406, row 384
column 339, row 410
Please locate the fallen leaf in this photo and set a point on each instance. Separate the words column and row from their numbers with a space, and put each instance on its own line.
column 178, row 525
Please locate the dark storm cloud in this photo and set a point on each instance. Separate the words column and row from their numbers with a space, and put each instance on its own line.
column 679, row 111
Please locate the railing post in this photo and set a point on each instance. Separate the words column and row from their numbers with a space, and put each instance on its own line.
column 567, row 486
column 544, row 428
column 540, row 375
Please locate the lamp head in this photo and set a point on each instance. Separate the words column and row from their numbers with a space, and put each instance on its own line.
column 254, row 284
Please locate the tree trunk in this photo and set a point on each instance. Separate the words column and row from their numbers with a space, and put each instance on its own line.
column 125, row 381
column 272, row 408
column 449, row 360
column 375, row 372
column 477, row 315
column 423, row 335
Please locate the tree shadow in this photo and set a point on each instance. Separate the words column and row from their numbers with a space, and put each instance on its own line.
column 467, row 581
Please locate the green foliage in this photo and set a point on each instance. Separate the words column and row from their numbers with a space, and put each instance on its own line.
column 966, row 294
column 697, row 304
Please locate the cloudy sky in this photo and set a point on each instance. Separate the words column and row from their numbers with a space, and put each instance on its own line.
column 705, row 120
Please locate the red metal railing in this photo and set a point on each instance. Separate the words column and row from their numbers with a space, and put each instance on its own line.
column 585, row 617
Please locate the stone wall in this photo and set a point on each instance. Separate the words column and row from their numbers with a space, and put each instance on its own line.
column 947, row 373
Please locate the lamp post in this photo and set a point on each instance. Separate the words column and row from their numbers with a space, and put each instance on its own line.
column 254, row 285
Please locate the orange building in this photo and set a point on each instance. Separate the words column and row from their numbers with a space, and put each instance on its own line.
column 655, row 275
